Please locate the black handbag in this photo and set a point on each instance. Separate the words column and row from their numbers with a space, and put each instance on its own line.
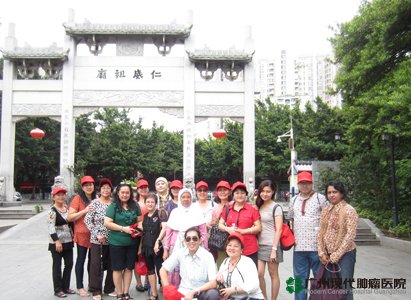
column 323, row 288
column 217, row 238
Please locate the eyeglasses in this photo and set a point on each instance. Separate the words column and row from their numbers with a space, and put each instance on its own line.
column 193, row 238
column 202, row 190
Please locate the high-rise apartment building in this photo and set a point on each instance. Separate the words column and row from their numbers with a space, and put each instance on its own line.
column 286, row 79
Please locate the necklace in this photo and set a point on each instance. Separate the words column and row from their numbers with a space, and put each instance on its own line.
column 234, row 263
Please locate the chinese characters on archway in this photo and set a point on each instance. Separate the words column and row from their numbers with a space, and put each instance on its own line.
column 137, row 74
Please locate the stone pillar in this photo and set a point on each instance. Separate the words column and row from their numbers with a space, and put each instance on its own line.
column 189, row 122
column 8, row 127
column 249, row 128
column 67, row 142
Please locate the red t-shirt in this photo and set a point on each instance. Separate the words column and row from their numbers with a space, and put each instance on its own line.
column 81, row 232
column 243, row 219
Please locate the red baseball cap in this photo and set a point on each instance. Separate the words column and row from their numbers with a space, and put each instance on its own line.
column 176, row 183
column 86, row 179
column 239, row 184
column 57, row 190
column 237, row 236
column 304, row 176
column 200, row 184
column 223, row 184
column 105, row 181
column 142, row 182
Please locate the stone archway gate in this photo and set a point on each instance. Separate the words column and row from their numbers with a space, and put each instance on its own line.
column 71, row 85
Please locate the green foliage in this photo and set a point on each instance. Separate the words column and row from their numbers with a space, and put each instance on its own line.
column 374, row 78
column 36, row 160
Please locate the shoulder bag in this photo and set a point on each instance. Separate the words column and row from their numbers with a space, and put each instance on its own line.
column 217, row 237
column 287, row 239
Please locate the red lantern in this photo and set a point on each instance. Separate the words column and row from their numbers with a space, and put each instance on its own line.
column 219, row 133
column 37, row 133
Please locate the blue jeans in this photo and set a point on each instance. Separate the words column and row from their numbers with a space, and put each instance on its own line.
column 303, row 262
column 79, row 268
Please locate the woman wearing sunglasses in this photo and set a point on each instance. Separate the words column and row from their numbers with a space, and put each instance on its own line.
column 182, row 218
column 197, row 269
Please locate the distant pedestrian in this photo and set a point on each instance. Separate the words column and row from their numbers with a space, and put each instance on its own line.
column 120, row 215
column 338, row 228
column 304, row 213
column 99, row 251
column 60, row 243
column 79, row 206
column 270, row 253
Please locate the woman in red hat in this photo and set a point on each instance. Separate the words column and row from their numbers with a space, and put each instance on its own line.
column 237, row 276
column 79, row 206
column 142, row 193
column 172, row 203
column 222, row 199
column 60, row 243
column 99, row 251
column 202, row 203
column 242, row 218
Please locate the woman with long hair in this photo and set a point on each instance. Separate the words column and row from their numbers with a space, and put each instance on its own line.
column 60, row 243
column 338, row 228
column 99, row 251
column 120, row 215
column 182, row 218
column 79, row 207
column 242, row 218
column 270, row 253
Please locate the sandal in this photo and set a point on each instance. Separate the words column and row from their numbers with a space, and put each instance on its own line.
column 70, row 292
column 97, row 297
column 140, row 288
column 120, row 296
column 60, row 294
column 152, row 297
column 127, row 297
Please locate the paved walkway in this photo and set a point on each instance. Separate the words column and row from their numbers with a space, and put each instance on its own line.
column 26, row 265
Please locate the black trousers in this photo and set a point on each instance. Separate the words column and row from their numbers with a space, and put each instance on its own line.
column 62, row 283
column 100, row 257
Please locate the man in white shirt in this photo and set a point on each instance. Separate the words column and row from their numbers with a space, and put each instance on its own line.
column 197, row 269
column 304, row 213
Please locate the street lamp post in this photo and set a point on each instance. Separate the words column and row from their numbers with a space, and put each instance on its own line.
column 389, row 138
column 290, row 134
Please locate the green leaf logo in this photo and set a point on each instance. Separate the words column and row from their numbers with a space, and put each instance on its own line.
column 294, row 285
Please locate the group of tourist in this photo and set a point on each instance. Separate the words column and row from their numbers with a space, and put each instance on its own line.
column 171, row 231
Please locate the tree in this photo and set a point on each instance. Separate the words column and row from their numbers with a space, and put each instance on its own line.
column 373, row 51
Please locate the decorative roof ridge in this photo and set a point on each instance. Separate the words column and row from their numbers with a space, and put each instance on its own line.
column 231, row 53
column 128, row 28
column 51, row 52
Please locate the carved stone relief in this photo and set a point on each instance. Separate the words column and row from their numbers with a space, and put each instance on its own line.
column 36, row 110
column 173, row 111
column 129, row 47
column 78, row 111
column 219, row 111
column 128, row 98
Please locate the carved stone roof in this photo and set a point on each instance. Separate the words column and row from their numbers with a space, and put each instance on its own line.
column 51, row 52
column 231, row 54
column 132, row 29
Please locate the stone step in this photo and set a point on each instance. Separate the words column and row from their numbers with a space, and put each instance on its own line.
column 16, row 216
column 368, row 242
